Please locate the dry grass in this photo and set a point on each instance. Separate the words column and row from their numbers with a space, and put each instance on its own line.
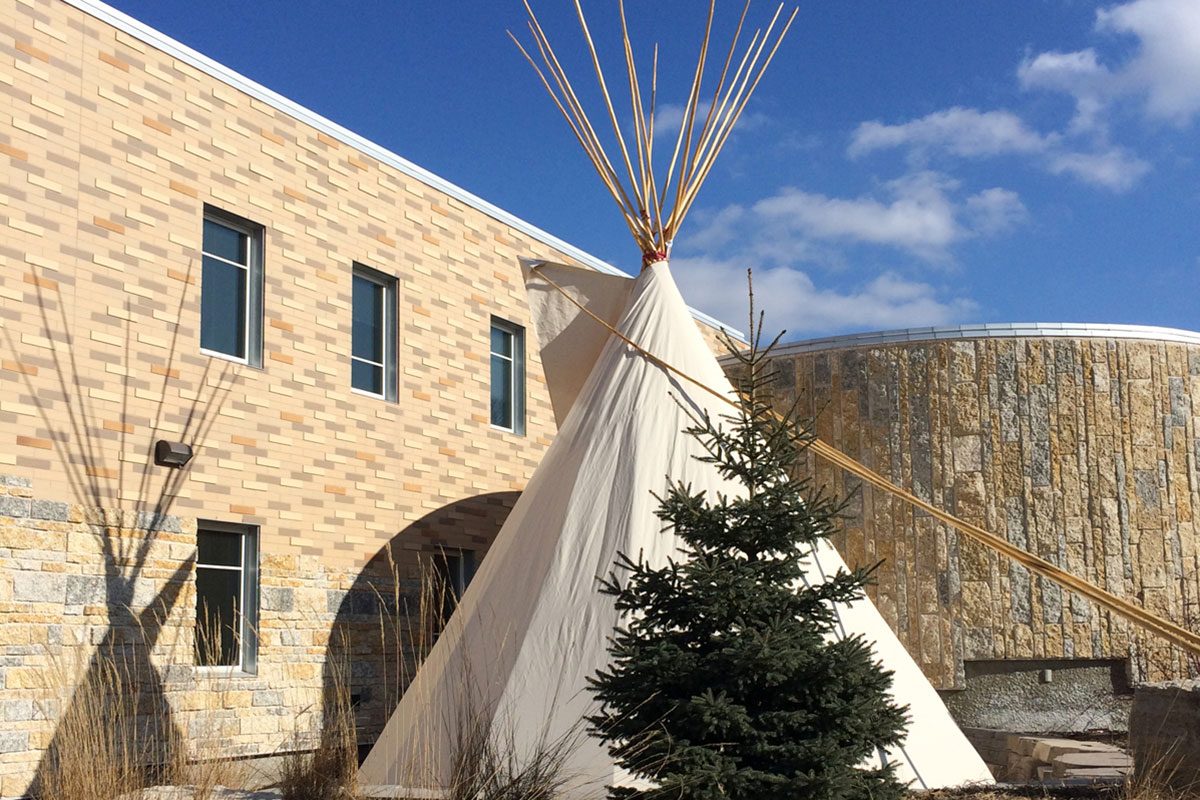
column 486, row 765
column 114, row 738
column 103, row 746
column 115, row 735
column 1015, row 792
column 485, row 762
column 330, row 769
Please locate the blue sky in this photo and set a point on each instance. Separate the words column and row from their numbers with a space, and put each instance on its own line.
column 902, row 164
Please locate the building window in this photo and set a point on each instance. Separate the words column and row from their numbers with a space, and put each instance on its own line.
column 231, row 287
column 453, row 570
column 373, row 333
column 508, row 376
column 226, row 596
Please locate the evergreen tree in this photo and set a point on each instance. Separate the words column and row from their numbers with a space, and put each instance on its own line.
column 730, row 677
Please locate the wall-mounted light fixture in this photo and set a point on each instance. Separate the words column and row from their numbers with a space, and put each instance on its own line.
column 172, row 454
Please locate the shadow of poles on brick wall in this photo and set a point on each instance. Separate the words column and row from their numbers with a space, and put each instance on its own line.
column 387, row 621
column 125, row 524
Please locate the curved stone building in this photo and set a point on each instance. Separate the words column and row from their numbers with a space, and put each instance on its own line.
column 1079, row 443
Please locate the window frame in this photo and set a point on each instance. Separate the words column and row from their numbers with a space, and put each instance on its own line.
column 388, row 283
column 454, row 568
column 247, row 634
column 253, row 312
column 516, row 386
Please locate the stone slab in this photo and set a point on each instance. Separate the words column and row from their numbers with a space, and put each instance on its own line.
column 1050, row 749
column 1070, row 764
column 1115, row 759
column 1095, row 774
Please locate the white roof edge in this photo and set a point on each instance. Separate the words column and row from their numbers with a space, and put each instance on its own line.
column 1081, row 330
column 158, row 39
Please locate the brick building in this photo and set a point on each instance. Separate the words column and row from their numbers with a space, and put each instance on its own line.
column 339, row 337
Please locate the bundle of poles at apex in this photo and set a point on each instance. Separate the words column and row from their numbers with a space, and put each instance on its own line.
column 655, row 211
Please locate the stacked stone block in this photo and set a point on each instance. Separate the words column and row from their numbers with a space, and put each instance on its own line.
column 1083, row 451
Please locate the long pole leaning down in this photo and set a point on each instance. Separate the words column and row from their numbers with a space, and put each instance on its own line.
column 1163, row 628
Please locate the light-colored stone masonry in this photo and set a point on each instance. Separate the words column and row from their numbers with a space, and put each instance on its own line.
column 76, row 581
column 1082, row 450
column 109, row 151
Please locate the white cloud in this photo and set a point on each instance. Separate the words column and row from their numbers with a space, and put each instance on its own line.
column 995, row 210
column 971, row 133
column 1164, row 70
column 1113, row 169
column 1064, row 71
column 960, row 131
column 791, row 299
column 917, row 213
column 1080, row 71
column 1079, row 74
column 1167, row 66
column 668, row 118
column 921, row 222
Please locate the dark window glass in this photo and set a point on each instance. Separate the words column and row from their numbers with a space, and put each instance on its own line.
column 508, row 376
column 218, row 615
column 367, row 377
column 226, row 596
column 453, row 570
column 223, row 308
column 368, row 320
column 223, row 289
column 373, row 332
column 219, row 549
column 502, row 342
column 224, row 242
column 502, row 391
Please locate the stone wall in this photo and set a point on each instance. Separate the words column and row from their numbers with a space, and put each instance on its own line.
column 1083, row 451
column 79, row 585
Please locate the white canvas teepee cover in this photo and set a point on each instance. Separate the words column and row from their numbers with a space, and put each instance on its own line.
column 532, row 626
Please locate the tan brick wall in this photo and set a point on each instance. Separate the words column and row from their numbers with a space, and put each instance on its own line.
column 1083, row 451
column 115, row 148
column 109, row 150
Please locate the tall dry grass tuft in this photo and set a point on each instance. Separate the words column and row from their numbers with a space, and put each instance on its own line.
column 203, row 763
column 1164, row 773
column 328, row 767
column 107, row 742
column 486, row 765
column 115, row 735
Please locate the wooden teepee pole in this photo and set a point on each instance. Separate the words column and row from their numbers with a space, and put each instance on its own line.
column 641, row 196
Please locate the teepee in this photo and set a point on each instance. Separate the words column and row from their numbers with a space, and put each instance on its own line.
column 626, row 365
